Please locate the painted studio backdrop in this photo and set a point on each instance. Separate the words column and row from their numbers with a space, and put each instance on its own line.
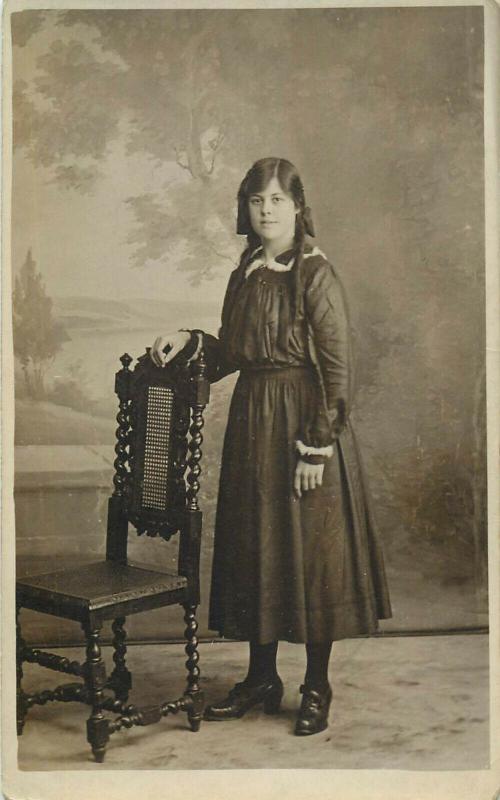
column 132, row 131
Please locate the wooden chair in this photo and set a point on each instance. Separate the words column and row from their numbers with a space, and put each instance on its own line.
column 160, row 409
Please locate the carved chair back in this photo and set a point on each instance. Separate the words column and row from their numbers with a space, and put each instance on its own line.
column 158, row 453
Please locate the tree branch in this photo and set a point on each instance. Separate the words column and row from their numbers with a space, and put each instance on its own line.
column 215, row 145
column 221, row 255
column 178, row 159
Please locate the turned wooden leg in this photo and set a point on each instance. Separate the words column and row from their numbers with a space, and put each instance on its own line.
column 95, row 679
column 21, row 707
column 120, row 679
column 195, row 709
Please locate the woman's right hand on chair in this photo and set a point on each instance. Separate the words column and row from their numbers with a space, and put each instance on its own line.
column 173, row 343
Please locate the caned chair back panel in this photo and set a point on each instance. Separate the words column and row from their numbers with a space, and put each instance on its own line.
column 154, row 458
column 159, row 416
column 158, row 438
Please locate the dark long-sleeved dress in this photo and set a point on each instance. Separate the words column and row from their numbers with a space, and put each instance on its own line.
column 306, row 569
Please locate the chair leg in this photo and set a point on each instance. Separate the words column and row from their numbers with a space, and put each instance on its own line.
column 95, row 679
column 21, row 706
column 121, row 678
column 195, row 710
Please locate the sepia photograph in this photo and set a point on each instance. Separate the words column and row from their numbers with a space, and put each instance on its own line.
column 247, row 309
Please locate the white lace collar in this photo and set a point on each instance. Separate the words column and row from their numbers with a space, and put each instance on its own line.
column 274, row 265
column 271, row 263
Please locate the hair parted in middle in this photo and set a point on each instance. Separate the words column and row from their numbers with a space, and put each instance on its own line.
column 257, row 178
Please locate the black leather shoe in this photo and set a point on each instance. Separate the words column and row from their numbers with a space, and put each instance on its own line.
column 313, row 714
column 242, row 697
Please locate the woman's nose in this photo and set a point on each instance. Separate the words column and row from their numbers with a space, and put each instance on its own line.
column 265, row 208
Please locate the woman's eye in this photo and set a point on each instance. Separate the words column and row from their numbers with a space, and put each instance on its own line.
column 277, row 199
column 255, row 201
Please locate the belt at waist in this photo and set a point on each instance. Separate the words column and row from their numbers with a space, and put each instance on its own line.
column 285, row 371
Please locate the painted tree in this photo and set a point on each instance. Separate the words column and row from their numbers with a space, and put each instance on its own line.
column 38, row 337
column 203, row 93
column 156, row 86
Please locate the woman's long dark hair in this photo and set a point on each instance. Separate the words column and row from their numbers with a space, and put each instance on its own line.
column 255, row 181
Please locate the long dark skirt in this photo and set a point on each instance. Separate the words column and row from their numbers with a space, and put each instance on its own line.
column 299, row 570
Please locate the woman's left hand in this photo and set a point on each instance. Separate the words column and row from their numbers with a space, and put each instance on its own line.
column 307, row 476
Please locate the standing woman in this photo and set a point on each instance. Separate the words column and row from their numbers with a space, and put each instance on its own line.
column 296, row 555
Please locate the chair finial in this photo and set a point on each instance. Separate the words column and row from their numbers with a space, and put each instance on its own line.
column 126, row 360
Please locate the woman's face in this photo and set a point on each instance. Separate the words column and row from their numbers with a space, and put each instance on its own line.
column 272, row 213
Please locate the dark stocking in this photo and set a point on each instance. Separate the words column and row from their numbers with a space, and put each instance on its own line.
column 262, row 664
column 317, row 665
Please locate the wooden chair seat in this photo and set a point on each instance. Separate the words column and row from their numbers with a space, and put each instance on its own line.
column 105, row 589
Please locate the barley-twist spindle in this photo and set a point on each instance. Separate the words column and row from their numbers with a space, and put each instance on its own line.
column 191, row 648
column 120, row 463
column 52, row 661
column 181, row 429
column 194, row 459
column 120, row 679
column 196, row 440
column 172, row 707
column 119, row 638
column 131, row 422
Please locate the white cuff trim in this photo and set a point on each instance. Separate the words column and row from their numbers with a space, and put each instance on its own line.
column 306, row 450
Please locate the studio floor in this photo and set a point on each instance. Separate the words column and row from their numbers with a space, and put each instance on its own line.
column 411, row 702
